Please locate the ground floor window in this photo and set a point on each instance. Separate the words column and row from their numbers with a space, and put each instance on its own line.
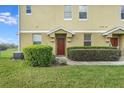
column 37, row 39
column 87, row 39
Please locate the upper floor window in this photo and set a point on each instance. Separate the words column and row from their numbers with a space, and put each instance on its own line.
column 87, row 39
column 82, row 12
column 67, row 12
column 28, row 9
column 37, row 39
column 122, row 12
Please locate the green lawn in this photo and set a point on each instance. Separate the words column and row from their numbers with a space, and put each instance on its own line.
column 8, row 53
column 18, row 74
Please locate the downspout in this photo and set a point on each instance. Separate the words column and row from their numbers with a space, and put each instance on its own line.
column 18, row 29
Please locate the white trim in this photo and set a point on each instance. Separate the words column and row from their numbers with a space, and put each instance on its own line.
column 35, row 31
column 113, row 30
column 90, row 31
column 83, row 19
column 28, row 14
column 68, row 19
column 75, row 31
column 19, row 49
column 58, row 28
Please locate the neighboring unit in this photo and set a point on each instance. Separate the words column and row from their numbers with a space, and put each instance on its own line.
column 62, row 26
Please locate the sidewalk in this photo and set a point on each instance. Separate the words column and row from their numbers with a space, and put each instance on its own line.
column 120, row 62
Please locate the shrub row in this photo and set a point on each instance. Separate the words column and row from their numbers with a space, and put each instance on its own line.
column 94, row 54
column 91, row 47
column 38, row 55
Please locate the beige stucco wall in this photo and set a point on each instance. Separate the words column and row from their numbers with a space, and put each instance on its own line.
column 46, row 17
column 76, row 40
column 99, row 40
column 121, row 44
column 26, row 40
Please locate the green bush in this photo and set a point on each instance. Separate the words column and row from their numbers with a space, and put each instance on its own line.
column 94, row 54
column 38, row 55
column 91, row 47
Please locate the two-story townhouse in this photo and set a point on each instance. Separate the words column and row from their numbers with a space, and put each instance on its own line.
column 62, row 26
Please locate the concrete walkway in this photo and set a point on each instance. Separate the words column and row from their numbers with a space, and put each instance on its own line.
column 120, row 62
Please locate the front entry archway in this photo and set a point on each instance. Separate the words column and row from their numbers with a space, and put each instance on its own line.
column 60, row 36
column 116, row 36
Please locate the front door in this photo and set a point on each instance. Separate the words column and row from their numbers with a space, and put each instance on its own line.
column 60, row 44
column 114, row 42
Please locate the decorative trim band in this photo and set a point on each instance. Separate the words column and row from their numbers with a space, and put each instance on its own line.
column 76, row 31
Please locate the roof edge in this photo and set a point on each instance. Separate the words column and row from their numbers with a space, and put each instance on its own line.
column 113, row 30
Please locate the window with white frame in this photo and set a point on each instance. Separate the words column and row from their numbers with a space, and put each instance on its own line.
column 37, row 39
column 87, row 39
column 28, row 9
column 122, row 12
column 82, row 12
column 67, row 12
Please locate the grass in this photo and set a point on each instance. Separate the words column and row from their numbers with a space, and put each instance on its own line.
column 8, row 53
column 17, row 74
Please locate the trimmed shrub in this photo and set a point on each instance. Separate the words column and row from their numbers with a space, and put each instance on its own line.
column 91, row 47
column 38, row 55
column 94, row 54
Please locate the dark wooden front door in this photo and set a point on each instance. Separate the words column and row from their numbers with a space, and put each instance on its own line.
column 60, row 44
column 114, row 42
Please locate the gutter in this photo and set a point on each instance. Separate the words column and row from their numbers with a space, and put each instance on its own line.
column 18, row 29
